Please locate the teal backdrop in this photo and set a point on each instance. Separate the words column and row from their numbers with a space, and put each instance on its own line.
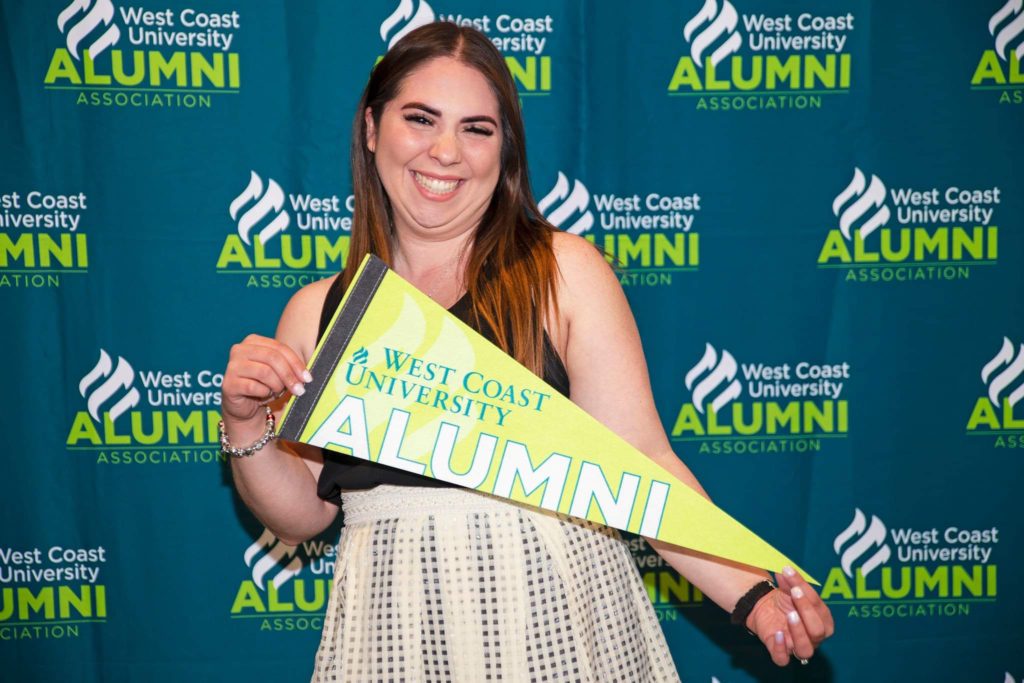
column 815, row 212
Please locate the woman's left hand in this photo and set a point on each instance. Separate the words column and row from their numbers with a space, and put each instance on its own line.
column 791, row 620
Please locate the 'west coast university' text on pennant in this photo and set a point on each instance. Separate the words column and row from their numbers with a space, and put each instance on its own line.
column 402, row 382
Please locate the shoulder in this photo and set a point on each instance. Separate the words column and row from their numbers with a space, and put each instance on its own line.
column 587, row 292
column 584, row 275
column 301, row 317
column 577, row 257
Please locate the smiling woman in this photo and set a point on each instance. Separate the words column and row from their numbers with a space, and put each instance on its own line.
column 434, row 582
column 438, row 167
column 438, row 127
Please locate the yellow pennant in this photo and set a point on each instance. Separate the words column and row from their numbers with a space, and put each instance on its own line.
column 401, row 382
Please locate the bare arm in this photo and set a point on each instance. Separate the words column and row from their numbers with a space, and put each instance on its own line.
column 278, row 483
column 608, row 376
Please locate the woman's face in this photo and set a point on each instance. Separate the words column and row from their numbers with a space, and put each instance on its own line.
column 438, row 149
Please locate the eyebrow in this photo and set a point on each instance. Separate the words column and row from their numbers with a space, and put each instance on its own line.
column 435, row 112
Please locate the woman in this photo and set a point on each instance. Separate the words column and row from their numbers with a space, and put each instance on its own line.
column 438, row 583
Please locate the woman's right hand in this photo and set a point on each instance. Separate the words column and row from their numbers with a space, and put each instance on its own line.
column 259, row 370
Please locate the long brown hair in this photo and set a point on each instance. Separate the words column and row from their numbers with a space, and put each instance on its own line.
column 511, row 270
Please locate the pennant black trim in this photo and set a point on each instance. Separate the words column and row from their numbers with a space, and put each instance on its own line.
column 361, row 292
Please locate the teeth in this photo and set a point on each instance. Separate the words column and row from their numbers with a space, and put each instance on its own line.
column 434, row 185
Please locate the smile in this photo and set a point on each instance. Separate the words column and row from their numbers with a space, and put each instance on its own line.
column 435, row 186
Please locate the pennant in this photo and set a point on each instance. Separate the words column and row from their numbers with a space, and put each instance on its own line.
column 400, row 381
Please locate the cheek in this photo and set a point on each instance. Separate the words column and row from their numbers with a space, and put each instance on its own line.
column 396, row 147
column 486, row 161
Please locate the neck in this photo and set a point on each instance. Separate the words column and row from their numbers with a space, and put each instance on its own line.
column 416, row 257
column 434, row 266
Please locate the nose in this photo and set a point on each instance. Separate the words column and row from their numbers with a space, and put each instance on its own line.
column 446, row 149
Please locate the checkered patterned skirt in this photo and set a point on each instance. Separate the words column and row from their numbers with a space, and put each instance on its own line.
column 457, row 586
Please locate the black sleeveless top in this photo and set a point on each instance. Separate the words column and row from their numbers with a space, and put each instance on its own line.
column 347, row 472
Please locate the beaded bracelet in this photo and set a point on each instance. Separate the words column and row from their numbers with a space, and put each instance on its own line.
column 268, row 435
column 745, row 605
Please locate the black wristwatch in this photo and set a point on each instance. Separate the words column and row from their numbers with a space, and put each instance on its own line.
column 745, row 605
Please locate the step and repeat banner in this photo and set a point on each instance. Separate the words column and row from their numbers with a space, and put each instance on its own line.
column 816, row 210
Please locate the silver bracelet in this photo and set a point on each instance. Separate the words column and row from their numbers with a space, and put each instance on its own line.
column 268, row 435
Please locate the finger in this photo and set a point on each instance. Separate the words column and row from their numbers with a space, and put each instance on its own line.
column 263, row 346
column 825, row 613
column 776, row 644
column 256, row 339
column 801, row 646
column 294, row 361
column 239, row 384
column 263, row 392
column 782, row 597
column 249, row 388
column 264, row 374
column 794, row 579
column 782, row 580
column 254, row 350
column 274, row 359
column 809, row 615
column 802, row 592
column 254, row 389
column 238, row 398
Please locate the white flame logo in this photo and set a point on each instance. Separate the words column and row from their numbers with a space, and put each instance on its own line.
column 1009, row 678
column 116, row 379
column 719, row 372
column 277, row 554
column 864, row 199
column 1013, row 371
column 718, row 22
column 572, row 202
column 95, row 12
column 867, row 538
column 1010, row 30
column 404, row 13
column 271, row 201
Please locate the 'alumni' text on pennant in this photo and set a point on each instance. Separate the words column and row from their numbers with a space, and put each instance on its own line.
column 402, row 382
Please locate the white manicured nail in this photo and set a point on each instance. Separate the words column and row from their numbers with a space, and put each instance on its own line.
column 794, row 617
column 789, row 571
column 298, row 389
column 306, row 377
column 779, row 637
column 797, row 592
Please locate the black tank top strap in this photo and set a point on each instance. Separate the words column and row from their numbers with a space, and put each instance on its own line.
column 334, row 296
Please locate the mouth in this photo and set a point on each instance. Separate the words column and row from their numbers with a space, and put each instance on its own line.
column 438, row 188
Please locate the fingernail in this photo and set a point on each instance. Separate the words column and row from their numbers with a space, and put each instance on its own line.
column 788, row 571
column 298, row 389
column 779, row 637
column 797, row 592
column 306, row 377
column 794, row 617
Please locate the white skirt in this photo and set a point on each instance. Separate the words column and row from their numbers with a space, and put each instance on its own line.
column 452, row 585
